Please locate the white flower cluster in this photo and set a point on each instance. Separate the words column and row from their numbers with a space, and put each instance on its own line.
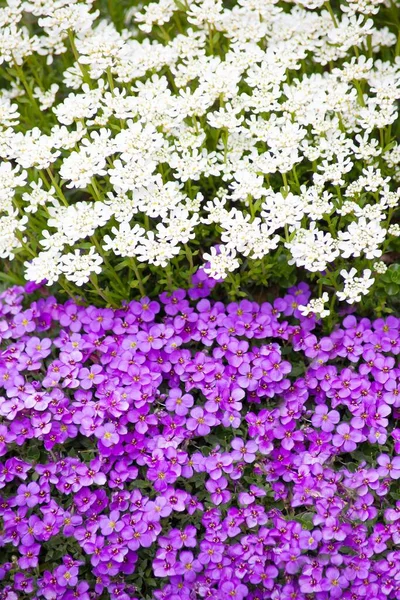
column 316, row 306
column 355, row 287
column 269, row 128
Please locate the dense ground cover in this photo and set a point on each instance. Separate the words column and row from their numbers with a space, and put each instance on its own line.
column 162, row 436
column 185, row 449
column 140, row 141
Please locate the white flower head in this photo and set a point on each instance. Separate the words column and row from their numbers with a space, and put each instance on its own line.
column 316, row 306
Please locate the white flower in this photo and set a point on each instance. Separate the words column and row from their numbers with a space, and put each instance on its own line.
column 38, row 196
column 279, row 210
column 79, row 168
column 316, row 306
column 79, row 220
column 247, row 184
column 79, row 106
column 9, row 114
column 156, row 199
column 355, row 287
column 263, row 126
column 156, row 252
column 178, row 227
column 46, row 265
column 155, row 13
column 126, row 239
column 9, row 241
column 10, row 178
column 312, row 248
column 362, row 237
column 78, row 267
column 221, row 262
column 394, row 230
column 47, row 98
column 379, row 267
column 76, row 17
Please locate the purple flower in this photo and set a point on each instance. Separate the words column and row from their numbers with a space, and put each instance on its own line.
column 90, row 377
column 176, row 499
column 67, row 576
column 178, row 402
column 346, row 438
column 218, row 491
column 324, row 418
column 335, row 583
column 244, row 451
column 389, row 466
column 234, row 589
column 200, row 422
column 136, row 410
column 249, row 497
column 27, row 495
column 382, row 369
column 145, row 309
column 107, row 434
column 188, row 566
column 29, row 556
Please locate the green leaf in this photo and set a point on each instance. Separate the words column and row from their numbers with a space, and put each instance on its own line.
column 180, row 5
column 392, row 289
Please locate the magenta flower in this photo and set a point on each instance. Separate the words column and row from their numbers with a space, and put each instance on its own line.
column 107, row 434
column 383, row 367
column 200, row 422
column 233, row 589
column 309, row 540
column 218, row 491
column 346, row 438
column 244, row 451
column 27, row 495
column 324, row 418
column 249, row 497
column 132, row 419
column 335, row 582
column 90, row 377
column 24, row 323
column 178, row 402
column 389, row 466
column 67, row 576
column 188, row 566
column 29, row 556
column 176, row 499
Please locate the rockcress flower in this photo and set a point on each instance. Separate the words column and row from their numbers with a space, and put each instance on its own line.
column 269, row 475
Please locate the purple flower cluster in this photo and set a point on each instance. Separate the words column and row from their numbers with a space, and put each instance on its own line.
column 185, row 449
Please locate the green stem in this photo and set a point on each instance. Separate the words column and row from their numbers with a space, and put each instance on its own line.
column 359, row 92
column 100, row 291
column 65, row 288
column 295, row 176
column 189, row 256
column 169, row 278
column 28, row 90
column 110, row 79
column 111, row 270
column 329, row 9
column 96, row 192
column 285, row 183
column 57, row 187
column 210, row 39
column 339, row 193
column 85, row 74
column 135, row 269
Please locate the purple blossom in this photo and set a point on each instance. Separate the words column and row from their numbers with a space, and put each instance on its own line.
column 121, row 427
column 324, row 418
column 346, row 438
